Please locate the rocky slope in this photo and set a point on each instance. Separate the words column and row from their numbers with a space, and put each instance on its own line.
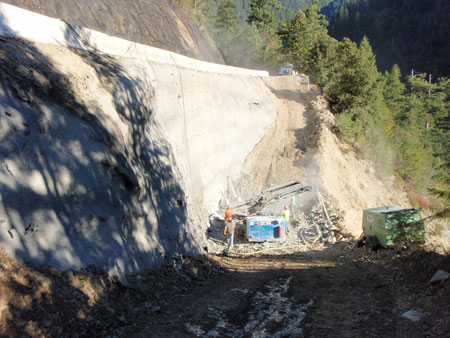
column 157, row 23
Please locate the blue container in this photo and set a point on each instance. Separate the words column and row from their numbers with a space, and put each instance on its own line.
column 266, row 229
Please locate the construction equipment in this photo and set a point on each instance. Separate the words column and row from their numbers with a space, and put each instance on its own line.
column 260, row 226
column 266, row 228
column 389, row 226
column 272, row 195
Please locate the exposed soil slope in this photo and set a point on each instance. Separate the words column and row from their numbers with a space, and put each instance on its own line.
column 157, row 23
column 302, row 146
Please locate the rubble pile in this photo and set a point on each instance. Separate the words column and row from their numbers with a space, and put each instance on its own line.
column 308, row 231
column 327, row 222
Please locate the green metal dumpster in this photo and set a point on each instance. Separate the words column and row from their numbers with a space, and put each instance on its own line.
column 393, row 225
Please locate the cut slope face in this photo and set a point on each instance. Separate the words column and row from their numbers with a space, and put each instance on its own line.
column 156, row 23
column 301, row 146
column 117, row 162
column 113, row 161
column 84, row 181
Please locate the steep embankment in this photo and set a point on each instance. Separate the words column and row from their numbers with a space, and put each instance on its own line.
column 156, row 23
column 114, row 161
column 114, row 153
column 300, row 145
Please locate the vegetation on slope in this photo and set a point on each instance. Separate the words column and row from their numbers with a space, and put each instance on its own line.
column 402, row 126
column 410, row 33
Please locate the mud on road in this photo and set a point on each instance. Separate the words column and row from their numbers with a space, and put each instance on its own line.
column 335, row 292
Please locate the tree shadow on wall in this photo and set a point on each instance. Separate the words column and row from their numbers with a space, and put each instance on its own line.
column 74, row 193
column 144, row 147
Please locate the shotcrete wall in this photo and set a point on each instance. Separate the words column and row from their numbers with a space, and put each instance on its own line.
column 113, row 153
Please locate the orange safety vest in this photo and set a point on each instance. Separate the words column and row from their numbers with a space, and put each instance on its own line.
column 228, row 215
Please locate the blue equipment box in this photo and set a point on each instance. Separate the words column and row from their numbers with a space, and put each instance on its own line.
column 266, row 229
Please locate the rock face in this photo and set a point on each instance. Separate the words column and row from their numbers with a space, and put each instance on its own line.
column 157, row 23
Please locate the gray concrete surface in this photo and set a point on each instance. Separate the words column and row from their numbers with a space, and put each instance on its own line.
column 116, row 162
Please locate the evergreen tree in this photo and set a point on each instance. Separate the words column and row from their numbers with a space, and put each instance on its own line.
column 292, row 37
column 411, row 157
column 226, row 18
column 262, row 13
column 344, row 87
column 271, row 44
column 370, row 81
column 306, row 42
column 226, row 27
column 440, row 137
column 261, row 17
column 356, row 81
column 394, row 94
column 247, row 47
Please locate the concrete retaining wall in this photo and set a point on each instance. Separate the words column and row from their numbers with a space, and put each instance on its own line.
column 17, row 22
column 123, row 157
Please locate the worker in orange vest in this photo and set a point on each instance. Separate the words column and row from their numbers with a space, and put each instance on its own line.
column 229, row 229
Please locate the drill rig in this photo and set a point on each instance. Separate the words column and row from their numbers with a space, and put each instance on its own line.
column 272, row 195
column 261, row 226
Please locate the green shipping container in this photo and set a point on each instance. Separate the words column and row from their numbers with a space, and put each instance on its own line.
column 393, row 225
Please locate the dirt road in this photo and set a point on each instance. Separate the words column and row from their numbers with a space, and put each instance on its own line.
column 330, row 291
column 336, row 292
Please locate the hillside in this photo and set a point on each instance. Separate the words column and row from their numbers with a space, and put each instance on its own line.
column 412, row 34
column 156, row 23
column 116, row 161
column 140, row 156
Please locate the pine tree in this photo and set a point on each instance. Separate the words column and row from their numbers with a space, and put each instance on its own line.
column 371, row 91
column 356, row 81
column 226, row 28
column 394, row 94
column 306, row 41
column 226, row 18
column 344, row 85
column 262, row 13
column 247, row 47
column 440, row 138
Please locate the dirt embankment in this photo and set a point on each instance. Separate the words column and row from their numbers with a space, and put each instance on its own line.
column 301, row 145
column 156, row 23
